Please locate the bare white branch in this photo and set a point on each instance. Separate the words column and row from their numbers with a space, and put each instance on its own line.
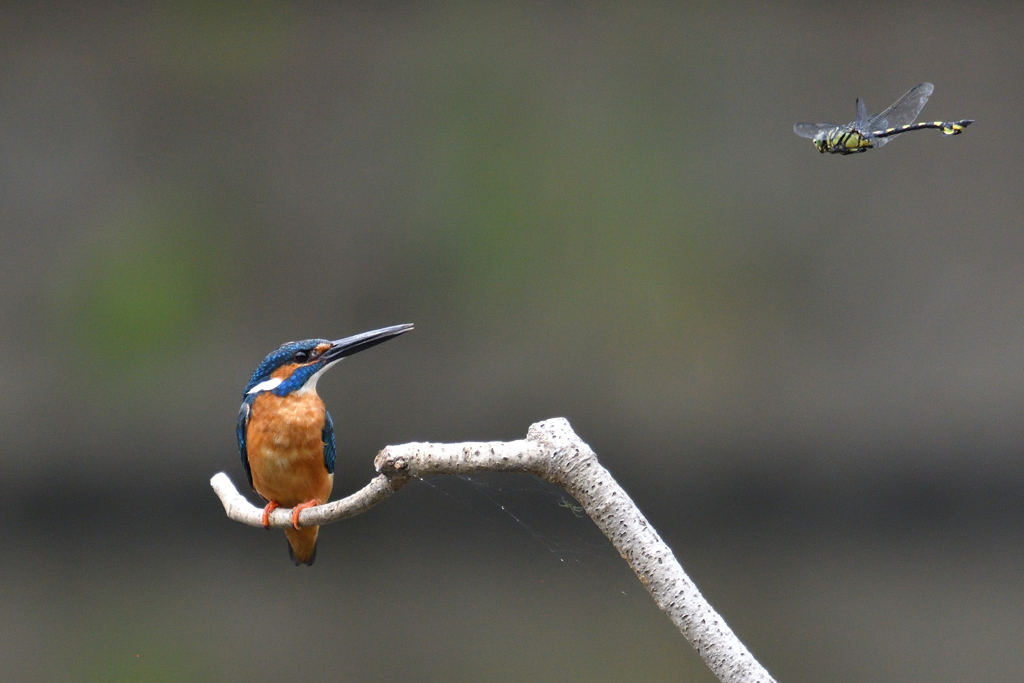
column 553, row 452
column 241, row 510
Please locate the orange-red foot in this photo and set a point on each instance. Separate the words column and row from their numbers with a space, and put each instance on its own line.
column 271, row 506
column 299, row 508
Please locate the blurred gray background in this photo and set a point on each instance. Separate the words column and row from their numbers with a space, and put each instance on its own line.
column 807, row 370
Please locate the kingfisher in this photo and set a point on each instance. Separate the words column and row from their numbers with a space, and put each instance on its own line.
column 285, row 434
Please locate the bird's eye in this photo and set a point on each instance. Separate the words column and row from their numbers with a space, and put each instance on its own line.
column 301, row 356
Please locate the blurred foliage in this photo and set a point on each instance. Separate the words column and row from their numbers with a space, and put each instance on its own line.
column 218, row 38
column 144, row 285
column 113, row 659
column 581, row 208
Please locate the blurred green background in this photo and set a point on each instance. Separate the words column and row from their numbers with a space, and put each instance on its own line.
column 806, row 370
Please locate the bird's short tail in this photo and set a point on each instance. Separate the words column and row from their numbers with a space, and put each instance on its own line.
column 302, row 544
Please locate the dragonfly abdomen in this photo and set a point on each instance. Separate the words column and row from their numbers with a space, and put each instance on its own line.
column 947, row 128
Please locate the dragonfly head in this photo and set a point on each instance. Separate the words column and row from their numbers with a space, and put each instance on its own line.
column 821, row 141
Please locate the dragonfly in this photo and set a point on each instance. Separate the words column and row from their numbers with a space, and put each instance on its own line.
column 874, row 131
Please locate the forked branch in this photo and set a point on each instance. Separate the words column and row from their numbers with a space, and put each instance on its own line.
column 553, row 452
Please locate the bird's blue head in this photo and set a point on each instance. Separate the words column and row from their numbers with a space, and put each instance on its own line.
column 296, row 366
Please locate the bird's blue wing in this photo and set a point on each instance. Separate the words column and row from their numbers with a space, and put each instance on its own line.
column 243, row 423
column 329, row 448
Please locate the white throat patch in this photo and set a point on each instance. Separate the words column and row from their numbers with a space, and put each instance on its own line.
column 310, row 385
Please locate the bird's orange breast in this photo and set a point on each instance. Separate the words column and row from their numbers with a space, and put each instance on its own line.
column 285, row 445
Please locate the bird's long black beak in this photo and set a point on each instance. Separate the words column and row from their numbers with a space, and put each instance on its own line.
column 360, row 342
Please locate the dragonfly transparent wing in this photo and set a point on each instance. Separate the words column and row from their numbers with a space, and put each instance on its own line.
column 862, row 124
column 904, row 111
column 809, row 130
